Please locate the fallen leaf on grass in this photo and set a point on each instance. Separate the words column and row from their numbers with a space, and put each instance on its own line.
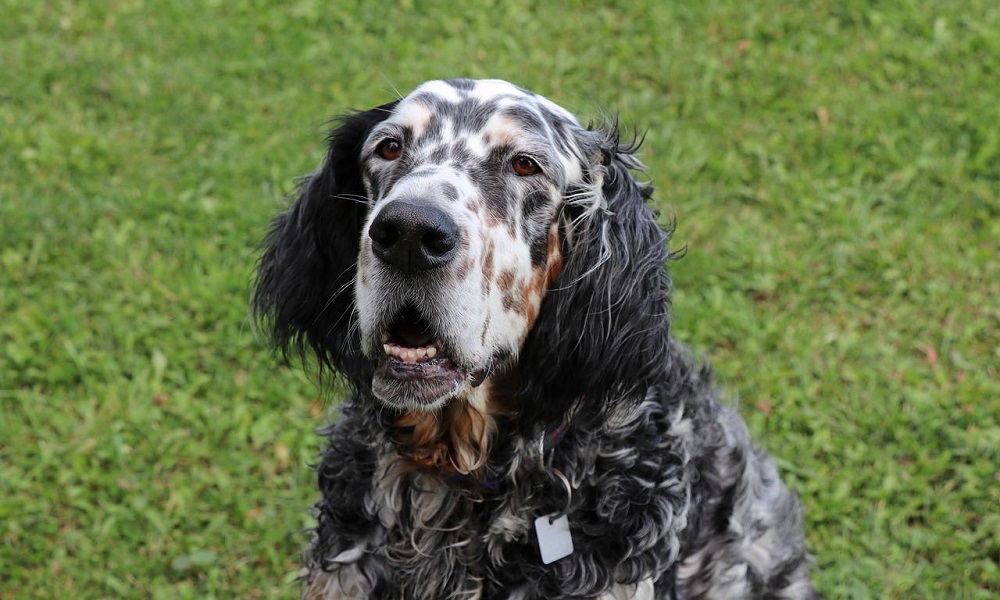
column 282, row 455
column 194, row 560
column 823, row 116
column 932, row 355
column 316, row 408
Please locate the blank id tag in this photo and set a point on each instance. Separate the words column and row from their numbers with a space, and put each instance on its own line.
column 554, row 540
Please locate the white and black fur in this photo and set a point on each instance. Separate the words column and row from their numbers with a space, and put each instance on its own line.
column 477, row 265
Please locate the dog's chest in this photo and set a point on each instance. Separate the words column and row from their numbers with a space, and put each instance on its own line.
column 437, row 537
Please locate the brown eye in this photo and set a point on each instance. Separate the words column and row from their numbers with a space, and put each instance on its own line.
column 389, row 149
column 525, row 166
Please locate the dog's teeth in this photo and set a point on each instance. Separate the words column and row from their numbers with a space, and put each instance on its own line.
column 410, row 355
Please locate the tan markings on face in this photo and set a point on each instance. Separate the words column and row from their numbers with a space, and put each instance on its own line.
column 531, row 296
column 488, row 267
column 513, row 300
column 543, row 279
column 463, row 244
column 554, row 257
column 505, row 283
column 501, row 130
column 486, row 329
column 506, row 280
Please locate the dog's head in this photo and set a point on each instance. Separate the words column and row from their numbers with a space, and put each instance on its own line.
column 469, row 230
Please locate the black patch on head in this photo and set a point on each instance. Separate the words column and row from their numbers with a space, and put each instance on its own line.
column 461, row 84
column 533, row 209
column 561, row 132
column 373, row 181
column 449, row 191
column 439, row 154
column 535, row 220
column 489, row 175
column 461, row 156
column 423, row 173
column 494, row 200
column 433, row 131
column 539, row 247
column 526, row 117
column 538, row 244
column 471, row 115
column 432, row 101
column 407, row 135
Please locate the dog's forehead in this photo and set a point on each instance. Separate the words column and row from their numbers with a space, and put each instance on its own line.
column 479, row 105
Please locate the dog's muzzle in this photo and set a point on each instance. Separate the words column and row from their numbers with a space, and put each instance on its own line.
column 410, row 237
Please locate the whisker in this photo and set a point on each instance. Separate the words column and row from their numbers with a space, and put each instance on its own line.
column 392, row 87
column 337, row 292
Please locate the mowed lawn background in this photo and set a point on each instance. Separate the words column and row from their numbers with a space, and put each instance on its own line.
column 834, row 167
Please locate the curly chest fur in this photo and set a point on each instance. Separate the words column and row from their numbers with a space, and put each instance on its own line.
column 414, row 535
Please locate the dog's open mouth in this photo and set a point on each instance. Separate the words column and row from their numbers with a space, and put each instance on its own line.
column 415, row 367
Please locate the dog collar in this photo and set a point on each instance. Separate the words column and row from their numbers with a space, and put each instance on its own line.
column 550, row 440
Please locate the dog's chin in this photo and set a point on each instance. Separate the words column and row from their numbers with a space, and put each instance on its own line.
column 424, row 385
column 416, row 368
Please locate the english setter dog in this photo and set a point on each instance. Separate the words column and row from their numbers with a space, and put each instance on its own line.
column 487, row 276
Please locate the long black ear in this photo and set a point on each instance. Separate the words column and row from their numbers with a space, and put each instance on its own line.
column 602, row 331
column 304, row 295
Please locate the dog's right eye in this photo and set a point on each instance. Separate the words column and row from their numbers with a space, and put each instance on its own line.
column 525, row 166
column 389, row 149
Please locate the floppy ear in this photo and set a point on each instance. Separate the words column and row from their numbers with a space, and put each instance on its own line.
column 304, row 295
column 603, row 328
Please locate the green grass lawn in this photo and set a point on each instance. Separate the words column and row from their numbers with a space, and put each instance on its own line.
column 834, row 167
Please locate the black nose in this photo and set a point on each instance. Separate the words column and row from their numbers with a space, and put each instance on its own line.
column 413, row 237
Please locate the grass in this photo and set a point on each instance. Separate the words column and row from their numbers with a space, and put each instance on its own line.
column 834, row 167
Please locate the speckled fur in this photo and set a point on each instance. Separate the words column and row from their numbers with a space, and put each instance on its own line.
column 669, row 498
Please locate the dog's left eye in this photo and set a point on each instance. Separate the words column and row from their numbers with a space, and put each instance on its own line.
column 389, row 149
column 525, row 166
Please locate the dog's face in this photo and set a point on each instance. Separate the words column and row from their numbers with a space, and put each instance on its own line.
column 468, row 184
column 471, row 231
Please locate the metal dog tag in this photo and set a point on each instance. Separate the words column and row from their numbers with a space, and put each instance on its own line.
column 554, row 540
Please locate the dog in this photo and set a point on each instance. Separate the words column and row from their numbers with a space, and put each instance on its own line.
column 487, row 276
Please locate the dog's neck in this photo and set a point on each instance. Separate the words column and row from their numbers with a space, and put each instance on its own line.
column 457, row 439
